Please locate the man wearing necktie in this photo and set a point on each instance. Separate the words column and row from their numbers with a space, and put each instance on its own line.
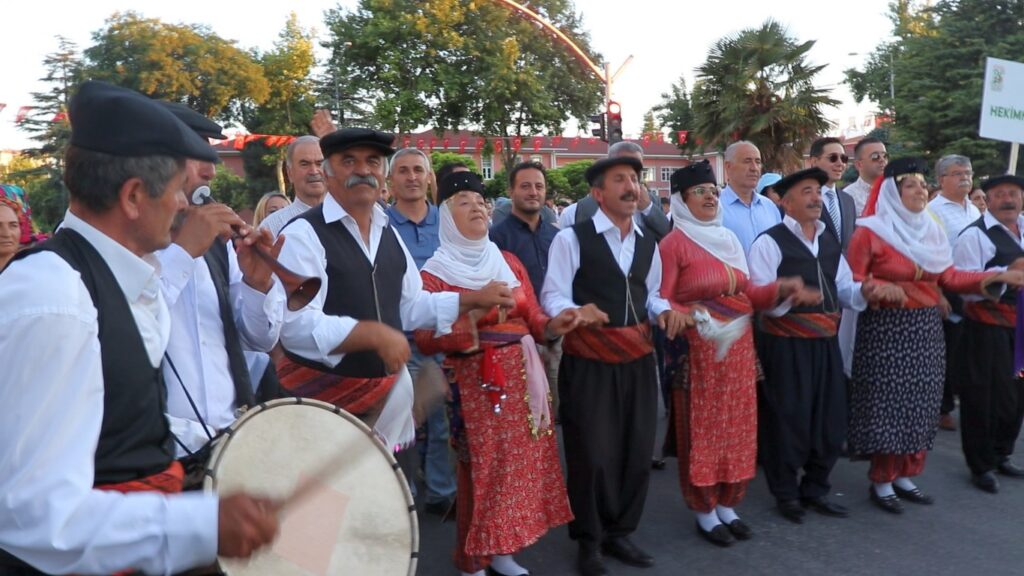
column 840, row 211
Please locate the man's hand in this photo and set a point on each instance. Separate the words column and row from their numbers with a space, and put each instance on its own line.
column 392, row 346
column 1017, row 264
column 876, row 293
column 806, row 296
column 674, row 323
column 566, row 321
column 204, row 223
column 789, row 286
column 591, row 315
column 255, row 270
column 493, row 294
column 244, row 525
column 322, row 123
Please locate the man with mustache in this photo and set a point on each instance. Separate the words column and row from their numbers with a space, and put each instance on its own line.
column 803, row 396
column 991, row 401
column 955, row 212
column 609, row 269
column 304, row 166
column 221, row 304
column 346, row 346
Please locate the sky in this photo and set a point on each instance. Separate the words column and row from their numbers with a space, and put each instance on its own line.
column 666, row 39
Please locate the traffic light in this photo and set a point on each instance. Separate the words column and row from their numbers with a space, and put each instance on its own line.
column 614, row 126
column 600, row 131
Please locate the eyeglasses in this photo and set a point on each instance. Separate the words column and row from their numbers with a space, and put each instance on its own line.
column 964, row 174
column 834, row 157
column 705, row 190
column 876, row 156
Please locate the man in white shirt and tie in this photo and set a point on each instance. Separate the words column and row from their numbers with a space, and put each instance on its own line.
column 840, row 211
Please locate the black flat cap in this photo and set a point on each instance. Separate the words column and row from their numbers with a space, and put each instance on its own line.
column 200, row 124
column 602, row 166
column 351, row 137
column 121, row 122
column 459, row 182
column 902, row 166
column 783, row 186
column 1004, row 179
column 689, row 176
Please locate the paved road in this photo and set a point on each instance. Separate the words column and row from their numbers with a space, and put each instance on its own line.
column 966, row 532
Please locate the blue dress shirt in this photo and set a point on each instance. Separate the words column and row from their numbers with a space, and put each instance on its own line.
column 421, row 238
column 747, row 222
column 530, row 246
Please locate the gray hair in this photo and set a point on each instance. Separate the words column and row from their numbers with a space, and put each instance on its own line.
column 730, row 151
column 950, row 160
column 95, row 178
column 290, row 152
column 406, row 152
column 624, row 147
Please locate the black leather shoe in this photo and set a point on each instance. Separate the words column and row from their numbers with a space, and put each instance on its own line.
column 740, row 530
column 658, row 463
column 823, row 505
column 791, row 510
column 492, row 572
column 987, row 482
column 719, row 535
column 443, row 508
column 890, row 504
column 623, row 550
column 1007, row 468
column 589, row 561
column 915, row 495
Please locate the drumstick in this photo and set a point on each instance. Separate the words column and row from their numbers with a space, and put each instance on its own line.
column 306, row 488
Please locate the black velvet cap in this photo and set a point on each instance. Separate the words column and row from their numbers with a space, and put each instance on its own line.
column 121, row 122
column 783, row 186
column 601, row 166
column 1004, row 179
column 351, row 137
column 692, row 175
column 200, row 124
column 902, row 166
column 458, row 182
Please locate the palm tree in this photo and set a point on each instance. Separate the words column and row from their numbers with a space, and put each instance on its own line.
column 757, row 86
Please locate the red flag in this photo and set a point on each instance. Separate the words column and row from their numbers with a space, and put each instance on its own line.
column 575, row 142
column 538, row 142
column 239, row 142
column 445, row 142
column 462, row 146
column 681, row 136
column 22, row 113
column 60, row 116
column 433, row 142
column 406, row 141
column 517, row 143
column 556, row 141
column 661, row 137
column 479, row 144
column 646, row 139
column 498, row 145
column 592, row 140
column 420, row 143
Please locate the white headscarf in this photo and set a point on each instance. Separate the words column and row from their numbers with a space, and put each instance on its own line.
column 721, row 242
column 916, row 236
column 467, row 263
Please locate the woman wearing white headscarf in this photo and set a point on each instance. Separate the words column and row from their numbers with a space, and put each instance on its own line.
column 704, row 269
column 510, row 485
column 899, row 355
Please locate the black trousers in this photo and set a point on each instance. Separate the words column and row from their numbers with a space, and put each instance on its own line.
column 609, row 415
column 803, row 414
column 953, row 334
column 991, row 399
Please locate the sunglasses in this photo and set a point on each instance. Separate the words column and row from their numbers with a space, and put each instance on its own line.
column 834, row 157
column 705, row 190
column 876, row 156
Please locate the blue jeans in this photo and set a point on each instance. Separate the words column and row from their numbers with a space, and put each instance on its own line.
column 438, row 472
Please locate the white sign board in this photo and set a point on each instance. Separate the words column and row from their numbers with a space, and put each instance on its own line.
column 1002, row 103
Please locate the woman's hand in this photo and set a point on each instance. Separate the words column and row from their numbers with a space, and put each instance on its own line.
column 566, row 321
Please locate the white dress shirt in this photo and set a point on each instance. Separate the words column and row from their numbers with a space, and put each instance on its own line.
column 197, row 346
column 953, row 217
column 278, row 219
column 568, row 217
column 564, row 261
column 860, row 191
column 310, row 332
column 974, row 248
column 766, row 256
column 52, row 393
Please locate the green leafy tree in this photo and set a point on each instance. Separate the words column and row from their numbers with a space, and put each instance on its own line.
column 439, row 160
column 458, row 63
column 575, row 178
column 650, row 124
column 231, row 189
column 558, row 185
column 758, row 86
column 184, row 63
column 938, row 69
column 676, row 113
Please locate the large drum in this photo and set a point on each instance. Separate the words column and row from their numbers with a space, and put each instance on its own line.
column 359, row 520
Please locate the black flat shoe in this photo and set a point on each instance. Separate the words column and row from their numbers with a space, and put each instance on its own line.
column 890, row 504
column 1007, row 468
column 740, row 530
column 915, row 495
column 719, row 535
column 824, row 506
column 658, row 463
column 791, row 510
column 492, row 572
column 987, row 482
column 623, row 550
column 589, row 561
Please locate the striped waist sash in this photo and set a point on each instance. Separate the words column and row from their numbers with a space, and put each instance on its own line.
column 358, row 396
column 992, row 313
column 611, row 345
column 802, row 325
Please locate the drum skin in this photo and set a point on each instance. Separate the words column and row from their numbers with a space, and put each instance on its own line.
column 360, row 520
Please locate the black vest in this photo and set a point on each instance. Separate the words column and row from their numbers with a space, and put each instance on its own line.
column 220, row 272
column 358, row 288
column 797, row 260
column 600, row 281
column 1007, row 250
column 135, row 439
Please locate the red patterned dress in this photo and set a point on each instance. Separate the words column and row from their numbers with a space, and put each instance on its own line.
column 510, row 485
column 715, row 402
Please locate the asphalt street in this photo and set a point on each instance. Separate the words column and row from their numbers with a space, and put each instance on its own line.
column 966, row 531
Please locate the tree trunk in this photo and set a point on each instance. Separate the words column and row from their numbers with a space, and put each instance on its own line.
column 280, row 174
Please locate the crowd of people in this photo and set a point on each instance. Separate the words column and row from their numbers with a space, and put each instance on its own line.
column 782, row 320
